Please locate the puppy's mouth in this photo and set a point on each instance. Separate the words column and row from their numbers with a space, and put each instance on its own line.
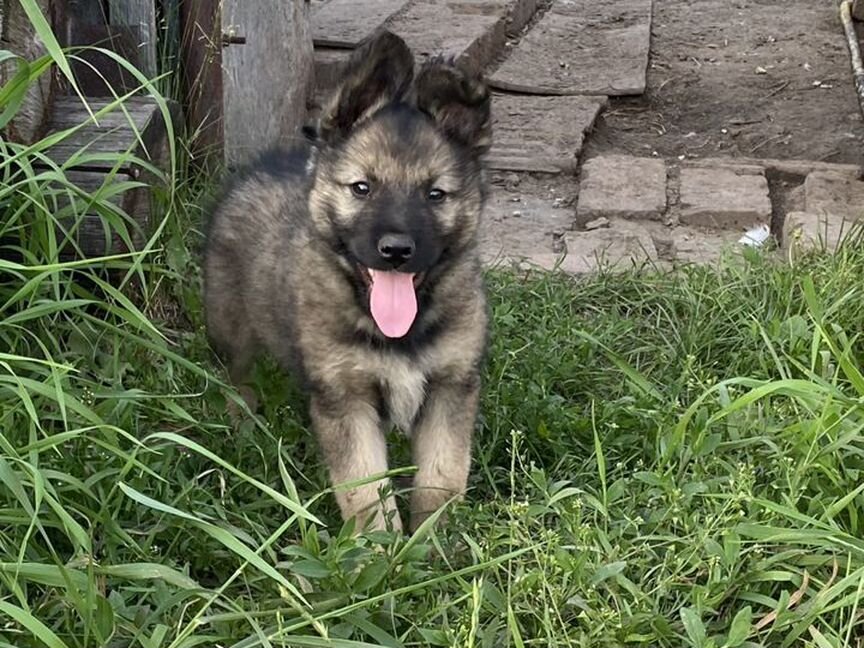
column 392, row 299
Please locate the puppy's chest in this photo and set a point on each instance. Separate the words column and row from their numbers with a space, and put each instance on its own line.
column 403, row 389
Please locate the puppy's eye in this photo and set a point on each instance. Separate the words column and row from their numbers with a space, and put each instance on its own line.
column 361, row 189
column 436, row 195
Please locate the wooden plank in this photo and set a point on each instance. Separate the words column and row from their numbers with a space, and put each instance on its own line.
column 90, row 233
column 582, row 47
column 114, row 133
column 266, row 80
column 140, row 17
column 532, row 133
column 344, row 23
column 18, row 36
column 201, row 52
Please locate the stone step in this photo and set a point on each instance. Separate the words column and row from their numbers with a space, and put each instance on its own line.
column 432, row 29
column 582, row 47
column 541, row 134
column 344, row 23
column 473, row 32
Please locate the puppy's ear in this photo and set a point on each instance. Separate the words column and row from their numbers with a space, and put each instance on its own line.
column 459, row 103
column 379, row 71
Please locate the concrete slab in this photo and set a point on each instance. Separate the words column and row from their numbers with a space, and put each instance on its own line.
column 582, row 47
column 543, row 134
column 622, row 186
column 834, row 193
column 724, row 196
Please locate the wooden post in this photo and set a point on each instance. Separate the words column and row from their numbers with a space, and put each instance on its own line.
column 201, row 59
column 140, row 17
column 266, row 74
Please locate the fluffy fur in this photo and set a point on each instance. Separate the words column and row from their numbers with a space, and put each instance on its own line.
column 284, row 272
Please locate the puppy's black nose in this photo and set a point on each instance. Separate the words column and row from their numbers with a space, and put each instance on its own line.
column 396, row 248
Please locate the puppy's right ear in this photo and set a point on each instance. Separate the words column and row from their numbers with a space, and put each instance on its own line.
column 379, row 71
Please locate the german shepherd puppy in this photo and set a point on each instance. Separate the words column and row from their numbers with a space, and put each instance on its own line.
column 353, row 260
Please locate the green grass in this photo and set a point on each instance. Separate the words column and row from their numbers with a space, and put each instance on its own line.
column 663, row 460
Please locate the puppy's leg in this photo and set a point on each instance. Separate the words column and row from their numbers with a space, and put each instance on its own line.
column 354, row 447
column 442, row 446
column 240, row 359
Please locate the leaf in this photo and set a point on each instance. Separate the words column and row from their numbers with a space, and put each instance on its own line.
column 640, row 382
column 608, row 571
column 31, row 623
column 50, row 575
column 46, row 35
column 821, row 640
column 13, row 92
column 294, row 507
column 435, row 637
column 149, row 571
column 693, row 627
column 104, row 617
column 564, row 493
column 793, row 601
column 370, row 576
column 513, row 626
column 311, row 569
column 740, row 628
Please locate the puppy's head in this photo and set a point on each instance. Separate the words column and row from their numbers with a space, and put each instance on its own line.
column 398, row 187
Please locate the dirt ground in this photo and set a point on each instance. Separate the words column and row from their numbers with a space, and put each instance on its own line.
column 754, row 78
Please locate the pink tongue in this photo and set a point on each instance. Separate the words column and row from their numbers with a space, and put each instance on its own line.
column 393, row 302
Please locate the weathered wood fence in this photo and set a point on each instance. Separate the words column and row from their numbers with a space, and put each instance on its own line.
column 241, row 70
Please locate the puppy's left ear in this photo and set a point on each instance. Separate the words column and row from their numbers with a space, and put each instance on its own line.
column 459, row 103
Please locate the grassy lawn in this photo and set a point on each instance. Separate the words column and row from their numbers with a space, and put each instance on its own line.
column 663, row 460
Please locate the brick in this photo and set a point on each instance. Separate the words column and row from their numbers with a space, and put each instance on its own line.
column 528, row 228
column 695, row 245
column 618, row 247
column 807, row 231
column 724, row 196
column 620, row 186
column 791, row 167
column 839, row 194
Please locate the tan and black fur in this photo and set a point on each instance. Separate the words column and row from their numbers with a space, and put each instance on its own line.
column 283, row 272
